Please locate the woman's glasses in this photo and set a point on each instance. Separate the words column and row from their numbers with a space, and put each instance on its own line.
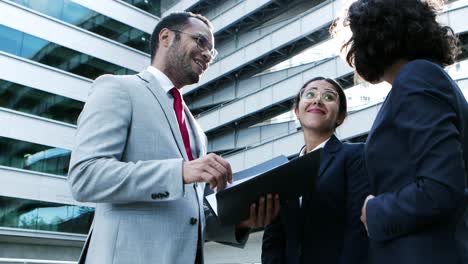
column 326, row 95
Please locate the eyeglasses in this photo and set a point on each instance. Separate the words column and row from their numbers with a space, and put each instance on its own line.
column 311, row 94
column 202, row 43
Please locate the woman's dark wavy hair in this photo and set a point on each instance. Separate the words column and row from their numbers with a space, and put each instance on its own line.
column 385, row 31
column 342, row 105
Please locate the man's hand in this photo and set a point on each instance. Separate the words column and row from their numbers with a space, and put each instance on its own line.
column 211, row 169
column 264, row 215
column 363, row 212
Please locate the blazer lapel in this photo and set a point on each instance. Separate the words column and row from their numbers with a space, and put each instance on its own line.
column 328, row 153
column 200, row 137
column 153, row 85
column 327, row 156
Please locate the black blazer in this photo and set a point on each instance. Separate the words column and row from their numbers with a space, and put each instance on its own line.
column 416, row 155
column 327, row 228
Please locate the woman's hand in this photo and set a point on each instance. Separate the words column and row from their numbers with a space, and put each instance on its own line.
column 265, row 213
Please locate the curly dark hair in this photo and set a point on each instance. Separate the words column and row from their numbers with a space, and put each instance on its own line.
column 175, row 21
column 385, row 31
column 342, row 104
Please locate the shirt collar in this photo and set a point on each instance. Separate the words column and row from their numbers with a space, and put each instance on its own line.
column 321, row 145
column 164, row 81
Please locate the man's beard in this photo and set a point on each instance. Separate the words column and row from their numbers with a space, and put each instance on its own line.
column 180, row 67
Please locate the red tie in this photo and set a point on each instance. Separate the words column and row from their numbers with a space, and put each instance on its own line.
column 179, row 108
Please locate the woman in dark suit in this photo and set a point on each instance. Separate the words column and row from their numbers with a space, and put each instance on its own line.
column 323, row 226
column 416, row 151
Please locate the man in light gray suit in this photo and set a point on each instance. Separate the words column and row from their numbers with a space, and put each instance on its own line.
column 141, row 157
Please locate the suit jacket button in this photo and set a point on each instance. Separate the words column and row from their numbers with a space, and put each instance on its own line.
column 193, row 221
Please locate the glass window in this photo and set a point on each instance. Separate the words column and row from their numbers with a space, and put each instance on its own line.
column 150, row 6
column 32, row 47
column 35, row 157
column 85, row 18
column 10, row 40
column 45, row 216
column 51, row 54
column 36, row 102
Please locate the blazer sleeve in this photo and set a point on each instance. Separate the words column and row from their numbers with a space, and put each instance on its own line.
column 426, row 120
column 97, row 173
column 355, row 243
column 273, row 245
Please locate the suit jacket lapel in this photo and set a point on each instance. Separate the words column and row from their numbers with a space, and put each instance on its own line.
column 153, row 85
column 200, row 137
column 328, row 153
column 327, row 156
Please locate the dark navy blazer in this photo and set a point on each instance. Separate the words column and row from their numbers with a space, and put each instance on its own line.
column 416, row 155
column 327, row 229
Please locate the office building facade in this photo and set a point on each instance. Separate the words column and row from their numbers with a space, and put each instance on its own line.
column 51, row 50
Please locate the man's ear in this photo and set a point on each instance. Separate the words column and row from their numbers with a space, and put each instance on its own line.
column 165, row 37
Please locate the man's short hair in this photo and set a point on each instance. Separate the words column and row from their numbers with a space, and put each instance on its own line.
column 176, row 21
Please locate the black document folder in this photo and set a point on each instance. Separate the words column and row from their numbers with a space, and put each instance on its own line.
column 277, row 176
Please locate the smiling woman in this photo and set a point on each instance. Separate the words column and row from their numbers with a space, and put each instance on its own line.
column 320, row 107
column 323, row 226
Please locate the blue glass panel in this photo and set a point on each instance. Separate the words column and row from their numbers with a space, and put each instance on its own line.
column 10, row 40
column 45, row 216
column 85, row 18
column 52, row 8
column 150, row 6
column 36, row 102
column 75, row 14
column 57, row 56
column 35, row 157
column 32, row 46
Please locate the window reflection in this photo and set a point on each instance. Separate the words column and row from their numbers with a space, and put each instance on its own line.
column 51, row 54
column 35, row 157
column 45, row 216
column 150, row 6
column 78, row 15
column 10, row 40
column 36, row 102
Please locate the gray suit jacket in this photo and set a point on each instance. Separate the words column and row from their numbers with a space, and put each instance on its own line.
column 128, row 160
